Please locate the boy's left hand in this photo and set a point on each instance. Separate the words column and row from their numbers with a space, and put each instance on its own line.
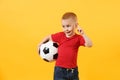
column 80, row 30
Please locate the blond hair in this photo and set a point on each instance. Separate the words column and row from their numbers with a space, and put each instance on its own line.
column 68, row 15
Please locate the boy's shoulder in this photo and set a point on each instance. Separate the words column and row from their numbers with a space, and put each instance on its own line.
column 79, row 35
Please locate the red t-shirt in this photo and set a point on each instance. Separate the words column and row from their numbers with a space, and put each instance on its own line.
column 68, row 49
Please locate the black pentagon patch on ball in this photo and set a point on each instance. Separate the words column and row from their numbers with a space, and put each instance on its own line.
column 55, row 56
column 46, row 50
column 55, row 45
column 46, row 60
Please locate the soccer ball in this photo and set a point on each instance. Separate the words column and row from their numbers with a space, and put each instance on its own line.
column 49, row 51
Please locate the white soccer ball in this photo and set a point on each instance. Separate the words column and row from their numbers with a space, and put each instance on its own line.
column 49, row 51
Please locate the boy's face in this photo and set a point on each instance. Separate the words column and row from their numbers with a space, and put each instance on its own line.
column 69, row 26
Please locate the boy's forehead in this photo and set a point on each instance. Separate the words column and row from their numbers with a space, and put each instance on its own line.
column 69, row 20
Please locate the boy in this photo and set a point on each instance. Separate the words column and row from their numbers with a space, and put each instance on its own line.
column 69, row 42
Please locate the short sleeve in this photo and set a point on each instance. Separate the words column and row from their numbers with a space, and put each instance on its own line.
column 56, row 37
column 82, row 41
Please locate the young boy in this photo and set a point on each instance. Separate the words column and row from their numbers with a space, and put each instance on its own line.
column 66, row 64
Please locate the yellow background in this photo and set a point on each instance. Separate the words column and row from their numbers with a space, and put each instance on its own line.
column 24, row 23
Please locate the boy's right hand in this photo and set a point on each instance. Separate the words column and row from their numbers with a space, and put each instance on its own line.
column 80, row 30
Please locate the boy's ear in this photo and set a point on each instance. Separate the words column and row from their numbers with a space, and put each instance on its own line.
column 76, row 24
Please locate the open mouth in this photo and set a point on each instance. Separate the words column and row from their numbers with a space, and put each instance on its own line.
column 68, row 32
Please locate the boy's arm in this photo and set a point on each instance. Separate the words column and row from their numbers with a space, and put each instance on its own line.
column 88, row 42
column 46, row 39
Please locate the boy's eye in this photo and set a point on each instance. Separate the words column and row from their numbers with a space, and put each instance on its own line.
column 68, row 25
column 63, row 26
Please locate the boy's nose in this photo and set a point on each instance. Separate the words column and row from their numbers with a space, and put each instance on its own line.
column 66, row 29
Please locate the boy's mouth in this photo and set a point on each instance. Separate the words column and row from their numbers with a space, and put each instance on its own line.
column 68, row 32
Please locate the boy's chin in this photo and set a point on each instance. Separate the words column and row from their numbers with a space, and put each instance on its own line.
column 69, row 35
